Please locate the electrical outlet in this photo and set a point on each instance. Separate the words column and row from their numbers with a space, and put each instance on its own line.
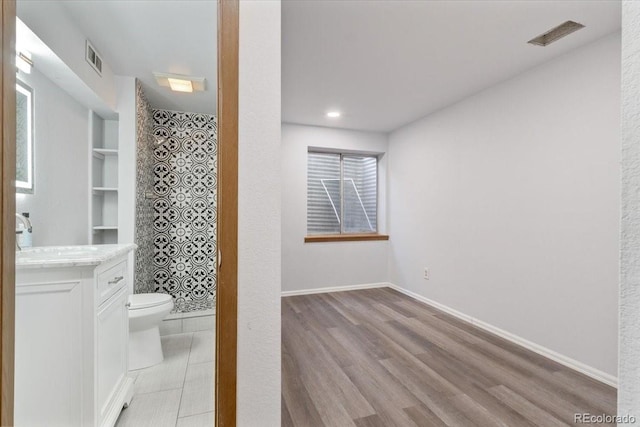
column 426, row 273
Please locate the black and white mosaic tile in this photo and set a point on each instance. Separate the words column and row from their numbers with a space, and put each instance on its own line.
column 184, row 210
column 144, row 231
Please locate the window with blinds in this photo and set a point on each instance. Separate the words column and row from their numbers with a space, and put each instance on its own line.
column 342, row 193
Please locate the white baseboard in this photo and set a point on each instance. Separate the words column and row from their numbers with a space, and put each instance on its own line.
column 536, row 348
column 335, row 289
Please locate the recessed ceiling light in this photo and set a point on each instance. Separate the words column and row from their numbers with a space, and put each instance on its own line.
column 333, row 114
column 180, row 83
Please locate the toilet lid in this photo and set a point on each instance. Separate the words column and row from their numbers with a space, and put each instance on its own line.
column 138, row 301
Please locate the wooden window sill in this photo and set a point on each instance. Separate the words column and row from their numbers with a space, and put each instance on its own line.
column 344, row 238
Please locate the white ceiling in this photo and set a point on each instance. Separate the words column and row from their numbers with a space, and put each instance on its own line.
column 386, row 63
column 137, row 37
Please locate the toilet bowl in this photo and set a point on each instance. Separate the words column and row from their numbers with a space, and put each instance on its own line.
column 146, row 311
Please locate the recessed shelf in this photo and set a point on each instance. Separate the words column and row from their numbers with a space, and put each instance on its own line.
column 105, row 227
column 102, row 191
column 103, row 165
column 101, row 153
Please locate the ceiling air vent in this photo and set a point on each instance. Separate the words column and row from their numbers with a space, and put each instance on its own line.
column 556, row 33
column 93, row 58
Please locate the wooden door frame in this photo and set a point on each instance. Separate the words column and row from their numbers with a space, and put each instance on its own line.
column 227, row 287
column 7, row 207
column 226, row 300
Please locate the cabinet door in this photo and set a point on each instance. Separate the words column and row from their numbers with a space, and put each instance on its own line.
column 48, row 374
column 112, row 345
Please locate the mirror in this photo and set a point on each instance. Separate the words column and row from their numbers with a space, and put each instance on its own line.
column 24, row 138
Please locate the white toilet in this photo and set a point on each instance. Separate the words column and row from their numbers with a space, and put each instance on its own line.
column 146, row 311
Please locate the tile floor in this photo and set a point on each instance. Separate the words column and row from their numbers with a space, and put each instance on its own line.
column 179, row 391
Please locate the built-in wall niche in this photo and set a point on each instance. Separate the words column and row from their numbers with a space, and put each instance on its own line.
column 104, row 179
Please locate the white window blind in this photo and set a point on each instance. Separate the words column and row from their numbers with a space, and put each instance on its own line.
column 341, row 193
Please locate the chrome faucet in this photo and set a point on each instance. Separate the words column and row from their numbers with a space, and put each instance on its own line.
column 27, row 224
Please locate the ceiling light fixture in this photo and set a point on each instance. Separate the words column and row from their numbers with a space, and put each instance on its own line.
column 556, row 33
column 333, row 114
column 180, row 83
column 24, row 61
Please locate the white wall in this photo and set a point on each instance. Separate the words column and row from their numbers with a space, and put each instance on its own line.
column 318, row 265
column 511, row 198
column 629, row 369
column 59, row 207
column 258, row 394
column 51, row 22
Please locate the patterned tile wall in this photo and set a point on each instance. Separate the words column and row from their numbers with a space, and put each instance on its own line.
column 184, row 210
column 144, row 184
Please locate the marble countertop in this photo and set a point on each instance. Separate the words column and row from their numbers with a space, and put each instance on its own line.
column 69, row 256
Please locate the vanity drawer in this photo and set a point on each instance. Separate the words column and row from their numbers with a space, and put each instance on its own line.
column 111, row 280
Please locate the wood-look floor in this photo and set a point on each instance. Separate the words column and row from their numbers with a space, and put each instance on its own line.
column 376, row 357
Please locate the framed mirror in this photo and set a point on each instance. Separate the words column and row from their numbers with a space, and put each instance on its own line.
column 24, row 138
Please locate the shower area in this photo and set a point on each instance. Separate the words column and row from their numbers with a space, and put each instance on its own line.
column 176, row 215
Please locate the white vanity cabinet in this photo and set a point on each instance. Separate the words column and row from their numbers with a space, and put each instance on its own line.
column 72, row 332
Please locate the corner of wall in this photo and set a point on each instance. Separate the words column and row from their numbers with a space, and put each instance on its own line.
column 259, row 216
column 143, row 185
column 629, row 315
